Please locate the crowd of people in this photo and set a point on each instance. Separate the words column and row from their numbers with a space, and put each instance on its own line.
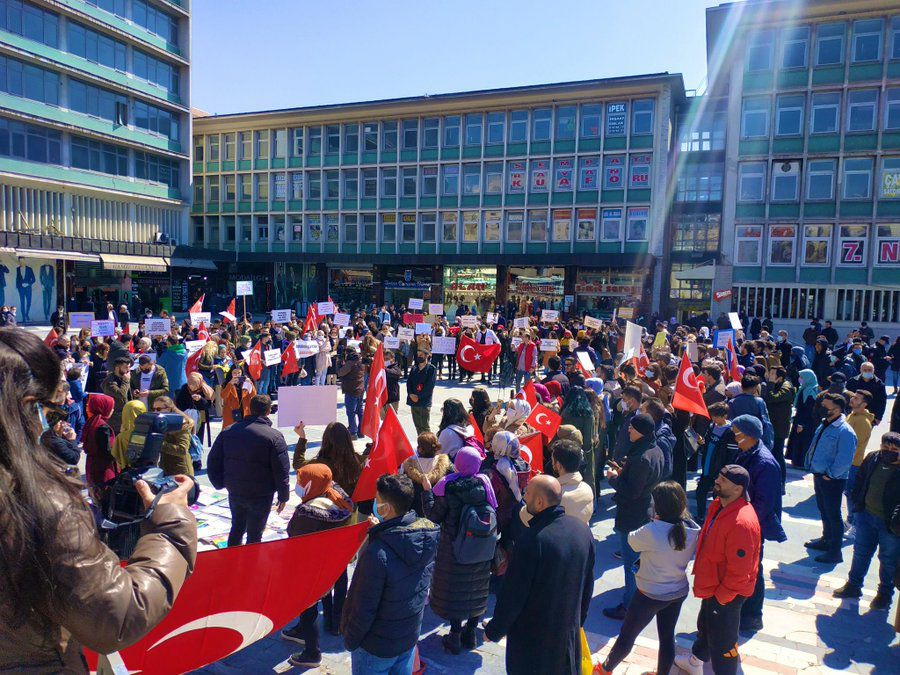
column 473, row 511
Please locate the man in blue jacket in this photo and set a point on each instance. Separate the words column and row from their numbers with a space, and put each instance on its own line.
column 749, row 403
column 764, row 494
column 829, row 458
column 383, row 611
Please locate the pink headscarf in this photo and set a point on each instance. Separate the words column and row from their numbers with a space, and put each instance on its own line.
column 542, row 392
column 467, row 463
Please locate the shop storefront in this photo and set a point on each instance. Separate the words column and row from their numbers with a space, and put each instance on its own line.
column 472, row 287
column 296, row 284
column 690, row 290
column 402, row 283
column 541, row 286
column 120, row 280
column 600, row 291
column 263, row 298
column 350, row 288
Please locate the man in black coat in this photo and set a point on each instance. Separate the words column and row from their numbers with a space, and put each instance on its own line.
column 250, row 460
column 550, row 575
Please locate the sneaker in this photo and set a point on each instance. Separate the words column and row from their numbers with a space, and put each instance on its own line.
column 617, row 613
column 293, row 634
column 830, row 558
column 880, row 601
column 848, row 590
column 689, row 663
column 306, row 659
column 817, row 544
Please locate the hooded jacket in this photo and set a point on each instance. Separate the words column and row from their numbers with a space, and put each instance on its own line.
column 173, row 361
column 384, row 605
column 319, row 514
column 725, row 565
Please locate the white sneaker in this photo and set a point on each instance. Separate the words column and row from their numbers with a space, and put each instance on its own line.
column 689, row 663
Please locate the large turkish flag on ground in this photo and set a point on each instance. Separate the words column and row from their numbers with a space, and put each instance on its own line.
column 531, row 449
column 237, row 596
column 475, row 357
column 544, row 420
column 376, row 395
column 391, row 448
column 688, row 396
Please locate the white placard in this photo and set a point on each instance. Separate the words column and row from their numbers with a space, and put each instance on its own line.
column 443, row 345
column 723, row 337
column 520, row 322
column 549, row 315
column 416, row 303
column 468, row 320
column 692, row 351
column 244, row 288
column 272, row 357
column 103, row 328
column 549, row 345
column 157, row 326
column 435, row 308
column 194, row 345
column 632, row 346
column 391, row 342
column 735, row 320
column 306, row 348
column 516, row 341
column 423, row 329
column 324, row 308
column 592, row 322
column 246, row 356
column 197, row 317
column 281, row 316
column 80, row 319
column 585, row 360
column 314, row 406
column 341, row 319
column 406, row 334
column 490, row 318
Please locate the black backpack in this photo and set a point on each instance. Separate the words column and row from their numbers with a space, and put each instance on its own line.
column 477, row 536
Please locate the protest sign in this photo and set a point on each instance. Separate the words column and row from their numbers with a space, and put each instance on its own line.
column 423, row 329
column 585, row 360
column 81, row 319
column 722, row 337
column 103, row 328
column 413, row 318
column 591, row 322
column 392, row 343
column 341, row 319
column 193, row 346
column 311, row 405
column 306, row 348
column 407, row 334
column 549, row 315
column 201, row 317
column 281, row 315
column 443, row 345
column 692, row 351
column 435, row 308
column 468, row 321
column 416, row 303
column 520, row 322
column 272, row 357
column 735, row 320
column 155, row 327
column 632, row 340
column 244, row 288
column 490, row 318
column 516, row 341
column 324, row 308
column 625, row 312
column 549, row 345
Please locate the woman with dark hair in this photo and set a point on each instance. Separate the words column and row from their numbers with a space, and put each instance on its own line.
column 578, row 412
column 338, row 453
column 455, row 428
column 236, row 395
column 479, row 405
column 666, row 545
column 60, row 586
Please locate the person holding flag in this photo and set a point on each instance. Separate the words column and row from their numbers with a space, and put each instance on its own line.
column 376, row 395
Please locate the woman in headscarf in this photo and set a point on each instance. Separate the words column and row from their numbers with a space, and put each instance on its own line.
column 175, row 456
column 578, row 412
column 798, row 362
column 542, row 393
column 504, row 467
column 99, row 440
column 130, row 413
column 459, row 592
column 805, row 422
column 555, row 389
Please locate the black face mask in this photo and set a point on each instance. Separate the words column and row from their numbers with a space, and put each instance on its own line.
column 420, row 359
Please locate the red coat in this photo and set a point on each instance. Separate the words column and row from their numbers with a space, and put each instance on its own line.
column 727, row 556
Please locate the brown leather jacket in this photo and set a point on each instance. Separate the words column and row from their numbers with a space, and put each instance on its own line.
column 103, row 606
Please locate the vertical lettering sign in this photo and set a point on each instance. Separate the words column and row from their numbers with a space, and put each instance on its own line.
column 587, row 179
column 616, row 117
column 539, row 170
column 640, row 171
column 516, row 177
column 612, row 172
column 564, row 175
column 889, row 251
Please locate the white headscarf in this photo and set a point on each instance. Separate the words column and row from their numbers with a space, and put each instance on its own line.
column 505, row 448
column 517, row 410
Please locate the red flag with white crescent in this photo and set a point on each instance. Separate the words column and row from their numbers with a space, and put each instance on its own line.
column 229, row 314
column 202, row 332
column 254, row 365
column 475, row 357
column 312, row 320
column 192, row 365
column 52, row 338
column 391, row 448
column 289, row 359
column 641, row 361
column 688, row 396
column 544, row 420
column 197, row 306
column 376, row 395
column 733, row 372
column 218, row 612
column 531, row 449
column 528, row 394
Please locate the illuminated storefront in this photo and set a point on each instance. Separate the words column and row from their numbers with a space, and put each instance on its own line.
column 544, row 285
column 600, row 291
column 471, row 287
column 350, row 288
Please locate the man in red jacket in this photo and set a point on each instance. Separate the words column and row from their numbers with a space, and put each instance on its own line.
column 724, row 573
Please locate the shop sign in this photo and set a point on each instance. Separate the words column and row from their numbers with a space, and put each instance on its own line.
column 516, row 177
column 564, row 176
column 539, row 171
column 538, row 286
column 721, row 295
column 890, row 183
column 615, row 119
column 340, row 278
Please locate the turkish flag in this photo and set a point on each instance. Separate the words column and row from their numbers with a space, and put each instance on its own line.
column 289, row 359
column 202, row 332
column 229, row 313
column 641, row 361
column 391, row 448
column 376, row 395
column 218, row 613
column 51, row 338
column 197, row 306
column 475, row 357
column 476, row 428
column 528, row 394
column 254, row 366
column 312, row 320
column 731, row 356
column 192, row 365
column 544, row 420
column 688, row 396
column 531, row 449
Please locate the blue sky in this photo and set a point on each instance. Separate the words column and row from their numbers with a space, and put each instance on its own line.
column 264, row 54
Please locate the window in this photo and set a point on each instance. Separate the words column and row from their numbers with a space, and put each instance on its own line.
column 471, row 221
column 830, row 44
column 496, row 128
column 493, row 178
column 370, row 137
column 246, row 141
column 852, row 245
column 759, row 51
column 703, row 133
column 350, row 229
column 540, row 179
column 887, row 245
column 98, row 156
column 314, row 228
column 333, row 139
column 228, row 187
column 857, row 178
column 279, row 140
column 752, row 181
column 332, row 185
column 429, row 177
column 150, row 69
column 817, row 244
column 262, row 186
column 747, row 244
column 262, row 228
column 370, row 227
column 540, row 124
column 537, row 226
column 408, row 221
column 892, row 109
column 262, row 144
column 296, row 142
column 637, row 224
column 514, row 226
column 642, row 117
column 795, row 47
column 895, row 38
column 296, row 186
column 515, row 177
column 451, row 131
column 28, row 21
column 245, row 181
column 449, row 226
column 639, row 173
column 279, row 187
column 212, row 148
column 820, row 179
column 700, row 182
column 388, row 227
column 565, row 123
column 755, row 117
column 890, row 178
column 156, row 120
column 24, row 141
column 861, row 106
column 867, row 40
column 198, row 192
column 492, row 221
column 154, row 20
column 409, row 181
column 696, row 233
column 332, row 228
column 611, row 225
column 785, row 181
column 471, row 179
column 562, row 225
column 27, row 81
column 157, row 169
column 314, row 185
column 564, row 175
column 199, row 148
column 389, row 136
column 590, row 120
column 473, row 129
column 430, row 132
column 449, row 180
column 96, row 102
column 389, row 183
column 351, row 139
column 410, row 134
column 370, row 183
column 782, row 240
column 789, row 115
column 229, row 147
column 613, row 172
column 103, row 50
column 825, row 115
column 616, row 118
column 314, row 138
column 351, row 183
column 588, row 173
column 518, row 126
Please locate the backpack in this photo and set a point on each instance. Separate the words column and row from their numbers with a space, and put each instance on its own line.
column 195, row 450
column 477, row 536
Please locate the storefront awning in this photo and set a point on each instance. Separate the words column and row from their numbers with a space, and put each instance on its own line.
column 58, row 255
column 134, row 263
column 194, row 263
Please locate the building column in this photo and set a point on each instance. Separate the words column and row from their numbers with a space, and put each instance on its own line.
column 502, row 286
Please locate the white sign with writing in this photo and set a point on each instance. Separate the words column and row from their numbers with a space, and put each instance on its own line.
column 391, row 342
column 281, row 316
column 306, row 348
column 406, row 334
column 423, row 329
column 272, row 356
column 193, row 346
column 585, row 360
column 735, row 320
column 591, row 322
column 81, row 319
column 549, row 345
column 516, row 341
column 521, row 322
column 157, row 326
column 103, row 328
column 468, row 321
column 324, row 308
column 490, row 318
column 443, row 345
column 416, row 303
column 549, row 315
column 198, row 317
column 341, row 319
column 244, row 288
column 435, row 308
column 314, row 406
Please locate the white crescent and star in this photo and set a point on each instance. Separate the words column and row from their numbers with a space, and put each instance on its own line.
column 525, row 451
column 537, row 418
column 462, row 353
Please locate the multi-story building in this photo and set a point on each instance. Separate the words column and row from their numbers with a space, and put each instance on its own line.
column 94, row 151
column 555, row 193
column 810, row 203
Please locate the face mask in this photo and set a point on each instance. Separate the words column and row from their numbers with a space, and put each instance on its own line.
column 420, row 359
column 651, row 374
column 300, row 491
column 867, row 376
column 857, row 351
column 781, row 338
column 375, row 513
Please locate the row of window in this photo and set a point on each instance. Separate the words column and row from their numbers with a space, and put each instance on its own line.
column 790, row 119
column 474, row 129
column 148, row 16
column 429, row 181
column 852, row 242
column 793, row 302
column 38, row 144
column 786, row 179
column 559, row 225
column 789, row 47
column 37, row 24
column 45, row 86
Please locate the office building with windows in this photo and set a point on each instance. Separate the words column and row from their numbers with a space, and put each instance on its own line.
column 94, row 151
column 552, row 192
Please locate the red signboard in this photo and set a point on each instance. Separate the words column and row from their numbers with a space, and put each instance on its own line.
column 721, row 295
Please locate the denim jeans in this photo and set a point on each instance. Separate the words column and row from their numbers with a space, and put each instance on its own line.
column 364, row 663
column 629, row 560
column 248, row 514
column 520, row 376
column 828, row 499
column 353, row 406
column 895, row 378
column 872, row 533
column 848, row 490
column 265, row 375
